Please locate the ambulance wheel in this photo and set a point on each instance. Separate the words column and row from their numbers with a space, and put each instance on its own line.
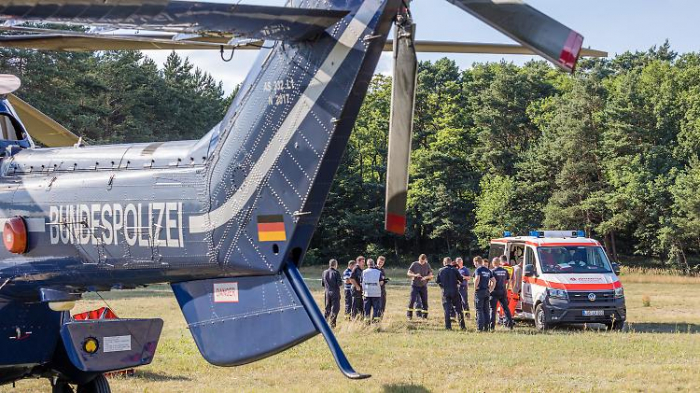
column 61, row 387
column 540, row 321
column 97, row 385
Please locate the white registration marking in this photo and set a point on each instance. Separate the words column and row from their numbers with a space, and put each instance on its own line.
column 301, row 109
column 116, row 344
column 226, row 292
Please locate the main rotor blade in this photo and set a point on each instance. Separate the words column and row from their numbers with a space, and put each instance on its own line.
column 479, row 47
column 41, row 127
column 403, row 95
column 528, row 26
column 242, row 20
column 91, row 42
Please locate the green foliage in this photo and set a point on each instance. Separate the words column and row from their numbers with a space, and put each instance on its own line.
column 114, row 97
column 613, row 150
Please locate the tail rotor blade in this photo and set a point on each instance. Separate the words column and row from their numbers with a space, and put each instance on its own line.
column 530, row 27
column 403, row 96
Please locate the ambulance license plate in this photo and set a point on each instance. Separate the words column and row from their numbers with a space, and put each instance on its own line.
column 593, row 313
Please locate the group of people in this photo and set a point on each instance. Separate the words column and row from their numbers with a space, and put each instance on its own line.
column 365, row 290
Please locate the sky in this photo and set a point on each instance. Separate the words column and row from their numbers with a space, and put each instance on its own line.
column 614, row 26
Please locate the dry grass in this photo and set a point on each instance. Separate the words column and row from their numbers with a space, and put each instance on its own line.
column 661, row 352
column 646, row 275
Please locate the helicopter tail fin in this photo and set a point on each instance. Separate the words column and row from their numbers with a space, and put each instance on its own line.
column 239, row 320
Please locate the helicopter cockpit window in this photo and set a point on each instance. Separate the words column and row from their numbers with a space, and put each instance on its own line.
column 9, row 132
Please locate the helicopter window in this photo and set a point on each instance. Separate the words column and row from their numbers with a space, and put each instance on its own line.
column 9, row 132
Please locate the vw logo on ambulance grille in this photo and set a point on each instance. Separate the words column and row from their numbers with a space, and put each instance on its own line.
column 591, row 297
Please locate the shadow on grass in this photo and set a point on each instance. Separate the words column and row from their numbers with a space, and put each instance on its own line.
column 157, row 377
column 680, row 327
column 404, row 388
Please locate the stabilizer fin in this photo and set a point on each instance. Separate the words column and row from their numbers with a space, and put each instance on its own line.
column 239, row 320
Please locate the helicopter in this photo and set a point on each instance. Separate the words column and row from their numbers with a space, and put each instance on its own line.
column 225, row 220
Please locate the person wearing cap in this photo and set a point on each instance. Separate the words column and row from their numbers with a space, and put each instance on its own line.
column 484, row 284
column 420, row 273
column 372, row 281
column 356, row 290
column 498, row 295
column 331, row 282
column 380, row 265
column 449, row 279
column 348, row 288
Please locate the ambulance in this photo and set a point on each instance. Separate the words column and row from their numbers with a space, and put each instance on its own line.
column 566, row 279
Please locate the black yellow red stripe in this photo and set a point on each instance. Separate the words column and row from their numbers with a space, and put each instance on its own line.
column 271, row 228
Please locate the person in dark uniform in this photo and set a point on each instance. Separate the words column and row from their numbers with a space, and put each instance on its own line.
column 477, row 264
column 380, row 265
column 464, row 286
column 483, row 285
column 331, row 282
column 356, row 290
column 499, row 294
column 420, row 273
column 348, row 288
column 449, row 279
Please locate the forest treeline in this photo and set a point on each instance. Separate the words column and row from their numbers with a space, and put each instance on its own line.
column 612, row 150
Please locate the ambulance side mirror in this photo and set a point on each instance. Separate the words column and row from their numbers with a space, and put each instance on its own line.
column 529, row 270
column 616, row 269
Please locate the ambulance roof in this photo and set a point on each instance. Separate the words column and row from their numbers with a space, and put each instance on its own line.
column 548, row 241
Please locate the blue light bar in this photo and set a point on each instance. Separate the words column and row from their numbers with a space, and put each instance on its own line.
column 581, row 233
column 507, row 234
column 537, row 233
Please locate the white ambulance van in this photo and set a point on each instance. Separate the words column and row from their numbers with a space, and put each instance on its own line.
column 566, row 279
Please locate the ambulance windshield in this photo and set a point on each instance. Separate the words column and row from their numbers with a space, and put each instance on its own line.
column 573, row 259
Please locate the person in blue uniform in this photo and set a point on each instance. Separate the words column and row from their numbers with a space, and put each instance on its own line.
column 449, row 279
column 331, row 282
column 380, row 265
column 464, row 286
column 499, row 294
column 356, row 290
column 347, row 285
column 483, row 286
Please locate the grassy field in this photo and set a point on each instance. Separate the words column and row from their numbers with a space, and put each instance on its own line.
column 660, row 352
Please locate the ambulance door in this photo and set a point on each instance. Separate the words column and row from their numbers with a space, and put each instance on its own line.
column 527, row 295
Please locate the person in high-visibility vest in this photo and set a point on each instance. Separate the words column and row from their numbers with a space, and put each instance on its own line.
column 516, row 285
column 372, row 281
column 509, row 294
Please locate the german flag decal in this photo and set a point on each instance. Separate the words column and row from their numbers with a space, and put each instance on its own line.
column 271, row 228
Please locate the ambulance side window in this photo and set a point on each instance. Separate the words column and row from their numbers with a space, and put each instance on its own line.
column 530, row 257
column 496, row 250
